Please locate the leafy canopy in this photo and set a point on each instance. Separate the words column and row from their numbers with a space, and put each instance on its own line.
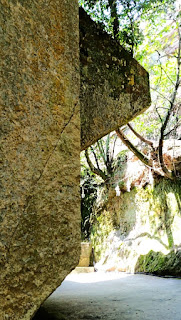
column 122, row 18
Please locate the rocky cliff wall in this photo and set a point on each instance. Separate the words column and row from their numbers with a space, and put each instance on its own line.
column 39, row 161
column 139, row 231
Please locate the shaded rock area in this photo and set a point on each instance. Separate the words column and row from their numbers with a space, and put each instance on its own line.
column 39, row 160
column 114, row 86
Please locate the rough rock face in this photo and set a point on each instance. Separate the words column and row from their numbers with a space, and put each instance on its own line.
column 39, row 161
column 160, row 264
column 139, row 231
column 114, row 87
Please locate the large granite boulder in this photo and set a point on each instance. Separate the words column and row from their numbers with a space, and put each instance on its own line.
column 40, row 149
column 40, row 143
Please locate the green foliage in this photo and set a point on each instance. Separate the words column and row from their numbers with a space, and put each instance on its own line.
column 100, row 158
column 161, row 203
column 128, row 15
column 159, row 264
column 100, row 231
column 158, row 54
column 121, row 158
column 88, row 197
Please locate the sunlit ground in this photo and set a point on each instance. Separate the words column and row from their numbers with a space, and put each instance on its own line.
column 114, row 296
column 96, row 277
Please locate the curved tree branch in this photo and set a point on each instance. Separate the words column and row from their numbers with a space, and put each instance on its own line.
column 150, row 143
column 131, row 147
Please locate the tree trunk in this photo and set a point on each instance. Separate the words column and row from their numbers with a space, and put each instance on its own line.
column 114, row 16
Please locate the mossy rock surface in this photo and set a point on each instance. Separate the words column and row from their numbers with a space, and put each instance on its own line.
column 159, row 264
column 140, row 230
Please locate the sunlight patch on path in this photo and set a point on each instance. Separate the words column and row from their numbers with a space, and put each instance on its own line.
column 96, row 277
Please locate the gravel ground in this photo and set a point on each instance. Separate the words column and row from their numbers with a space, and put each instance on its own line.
column 114, row 296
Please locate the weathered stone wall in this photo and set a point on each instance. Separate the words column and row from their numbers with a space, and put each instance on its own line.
column 39, row 160
column 114, row 87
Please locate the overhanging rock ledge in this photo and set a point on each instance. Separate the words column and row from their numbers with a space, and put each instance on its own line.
column 114, row 86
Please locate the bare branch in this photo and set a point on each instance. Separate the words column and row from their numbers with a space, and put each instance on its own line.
column 95, row 157
column 173, row 129
column 163, row 108
column 93, row 168
column 162, row 69
column 162, row 95
column 107, row 150
column 101, row 150
column 168, row 173
column 158, row 114
column 150, row 143
column 114, row 144
column 148, row 162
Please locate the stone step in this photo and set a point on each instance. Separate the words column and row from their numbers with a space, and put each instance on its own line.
column 83, row 270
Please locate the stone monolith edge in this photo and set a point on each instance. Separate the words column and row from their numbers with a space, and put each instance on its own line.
column 40, row 150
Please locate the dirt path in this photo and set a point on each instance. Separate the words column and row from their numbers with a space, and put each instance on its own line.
column 112, row 296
